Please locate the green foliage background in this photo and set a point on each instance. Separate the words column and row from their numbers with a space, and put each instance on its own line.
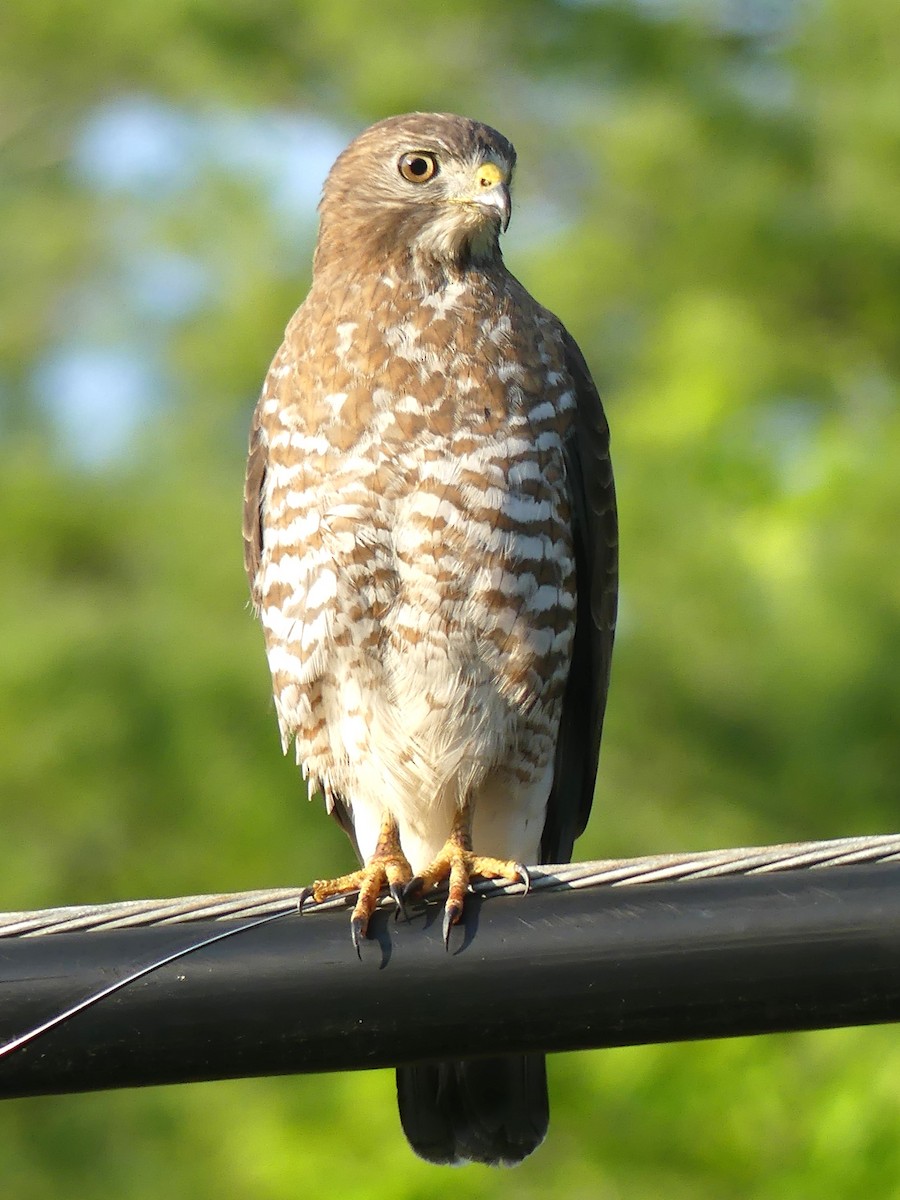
column 707, row 195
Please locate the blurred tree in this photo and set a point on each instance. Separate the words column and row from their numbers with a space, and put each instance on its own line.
column 707, row 196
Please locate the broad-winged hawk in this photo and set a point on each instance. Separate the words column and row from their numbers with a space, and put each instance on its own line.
column 430, row 537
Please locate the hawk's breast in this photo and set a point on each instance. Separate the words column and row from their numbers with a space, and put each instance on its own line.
column 418, row 579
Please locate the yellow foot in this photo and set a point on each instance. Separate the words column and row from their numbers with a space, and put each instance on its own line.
column 459, row 865
column 384, row 870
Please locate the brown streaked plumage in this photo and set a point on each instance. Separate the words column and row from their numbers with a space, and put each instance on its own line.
column 430, row 538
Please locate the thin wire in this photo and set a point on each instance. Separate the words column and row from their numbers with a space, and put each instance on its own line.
column 839, row 852
column 38, row 1030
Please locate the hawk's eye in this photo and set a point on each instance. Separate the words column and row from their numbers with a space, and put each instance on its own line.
column 418, row 167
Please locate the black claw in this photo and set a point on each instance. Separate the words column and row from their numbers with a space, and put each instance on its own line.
column 452, row 913
column 398, row 895
column 303, row 897
column 358, row 926
column 522, row 873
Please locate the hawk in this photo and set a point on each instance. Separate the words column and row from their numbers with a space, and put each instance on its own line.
column 430, row 539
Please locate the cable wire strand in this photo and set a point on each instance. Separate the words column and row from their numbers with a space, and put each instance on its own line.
column 752, row 860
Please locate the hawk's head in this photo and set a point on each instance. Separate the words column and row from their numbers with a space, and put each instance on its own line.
column 427, row 185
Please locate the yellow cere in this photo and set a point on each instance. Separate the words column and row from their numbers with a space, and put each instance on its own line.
column 490, row 174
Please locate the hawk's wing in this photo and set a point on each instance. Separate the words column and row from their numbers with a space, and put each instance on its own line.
column 592, row 499
column 254, row 493
column 254, row 483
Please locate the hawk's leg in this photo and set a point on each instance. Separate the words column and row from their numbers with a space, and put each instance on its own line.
column 457, row 863
column 387, row 868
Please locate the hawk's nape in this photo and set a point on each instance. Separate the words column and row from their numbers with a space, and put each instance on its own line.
column 430, row 538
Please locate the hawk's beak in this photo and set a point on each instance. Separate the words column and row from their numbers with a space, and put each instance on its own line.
column 492, row 191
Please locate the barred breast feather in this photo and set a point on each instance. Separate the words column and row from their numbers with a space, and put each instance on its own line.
column 417, row 582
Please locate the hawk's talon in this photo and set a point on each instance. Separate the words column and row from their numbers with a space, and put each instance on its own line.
column 452, row 913
column 525, row 877
column 358, row 927
column 398, row 895
column 387, row 869
column 456, row 864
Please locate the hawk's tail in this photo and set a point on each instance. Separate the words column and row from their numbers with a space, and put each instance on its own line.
column 489, row 1110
